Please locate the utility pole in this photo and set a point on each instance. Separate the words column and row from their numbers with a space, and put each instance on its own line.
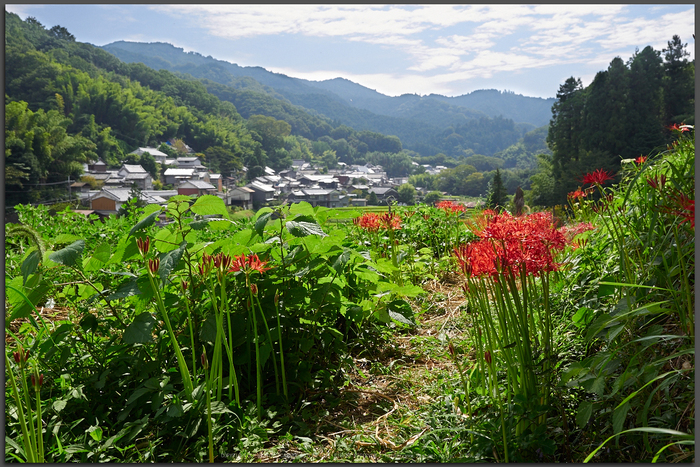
column 70, row 195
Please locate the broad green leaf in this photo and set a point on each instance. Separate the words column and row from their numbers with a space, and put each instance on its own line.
column 165, row 240
column 30, row 264
column 125, row 250
column 98, row 259
column 618, row 417
column 342, row 260
column 302, row 209
column 303, row 229
column 95, row 433
column 69, row 255
column 126, row 290
column 585, row 409
column 170, row 260
column 146, row 221
column 59, row 405
column 198, row 225
column 140, row 330
column 260, row 223
column 64, row 238
column 208, row 205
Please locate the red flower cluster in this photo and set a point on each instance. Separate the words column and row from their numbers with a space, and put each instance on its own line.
column 640, row 160
column 682, row 128
column 571, row 231
column 373, row 222
column 657, row 182
column 578, row 194
column 684, row 207
column 450, row 207
column 597, row 177
column 248, row 264
column 510, row 243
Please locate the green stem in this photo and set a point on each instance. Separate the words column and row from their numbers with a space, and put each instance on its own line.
column 39, row 424
column 269, row 338
column 258, row 371
column 187, row 381
column 29, row 452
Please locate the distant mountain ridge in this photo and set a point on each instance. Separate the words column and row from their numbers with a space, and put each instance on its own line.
column 421, row 122
column 490, row 102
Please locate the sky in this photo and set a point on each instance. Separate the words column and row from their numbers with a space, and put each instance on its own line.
column 446, row 49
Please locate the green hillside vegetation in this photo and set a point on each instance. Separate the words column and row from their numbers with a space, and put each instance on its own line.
column 423, row 124
column 624, row 113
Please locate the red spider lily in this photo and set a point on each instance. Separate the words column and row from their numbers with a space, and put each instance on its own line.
column 222, row 261
column 682, row 128
column 248, row 264
column 203, row 359
column 390, row 221
column 685, row 208
column 487, row 357
column 143, row 245
column 571, row 231
column 597, row 177
column 185, row 284
column 509, row 244
column 449, row 206
column 578, row 194
column 640, row 160
column 254, row 288
column 657, row 182
column 368, row 221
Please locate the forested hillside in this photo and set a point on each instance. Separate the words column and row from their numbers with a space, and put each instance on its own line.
column 625, row 113
column 423, row 124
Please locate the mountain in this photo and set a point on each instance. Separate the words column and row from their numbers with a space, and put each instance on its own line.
column 419, row 121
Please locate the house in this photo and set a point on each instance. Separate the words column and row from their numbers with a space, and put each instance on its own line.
column 159, row 156
column 262, row 193
column 195, row 187
column 318, row 197
column 99, row 167
column 217, row 181
column 176, row 176
column 188, row 162
column 135, row 174
column 241, row 196
column 385, row 194
column 110, row 200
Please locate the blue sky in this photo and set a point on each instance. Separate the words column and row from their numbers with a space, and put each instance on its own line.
column 394, row 49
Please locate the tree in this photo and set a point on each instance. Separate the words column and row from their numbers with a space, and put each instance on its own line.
column 372, row 199
column 498, row 196
column 678, row 84
column 407, row 194
column 432, row 197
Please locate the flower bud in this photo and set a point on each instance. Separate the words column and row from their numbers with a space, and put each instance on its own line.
column 153, row 265
column 277, row 297
column 487, row 357
column 185, row 284
column 143, row 245
column 451, row 348
column 203, row 359
column 39, row 382
column 254, row 288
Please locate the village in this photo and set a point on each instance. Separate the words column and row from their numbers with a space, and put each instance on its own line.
column 347, row 186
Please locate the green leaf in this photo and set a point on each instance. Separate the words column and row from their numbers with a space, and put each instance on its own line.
column 261, row 222
column 342, row 260
column 170, row 261
column 618, row 417
column 69, row 255
column 64, row 238
column 95, row 433
column 585, row 409
column 126, row 290
column 199, row 225
column 209, row 204
column 303, row 229
column 140, row 330
column 146, row 221
column 30, row 264
column 59, row 405
column 23, row 301
column 98, row 259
